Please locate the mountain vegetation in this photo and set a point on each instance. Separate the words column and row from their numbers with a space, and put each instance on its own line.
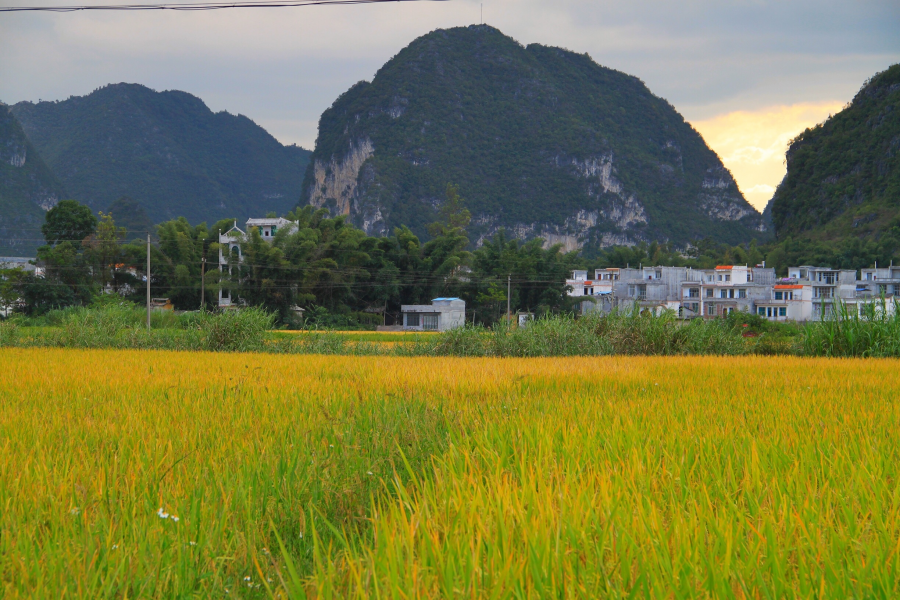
column 542, row 141
column 27, row 189
column 843, row 175
column 165, row 150
column 839, row 203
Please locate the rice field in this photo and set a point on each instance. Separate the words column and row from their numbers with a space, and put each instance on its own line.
column 159, row 474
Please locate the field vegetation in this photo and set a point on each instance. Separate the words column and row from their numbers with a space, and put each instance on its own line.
column 628, row 332
column 162, row 474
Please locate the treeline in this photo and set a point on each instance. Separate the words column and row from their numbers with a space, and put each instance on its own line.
column 340, row 277
column 337, row 274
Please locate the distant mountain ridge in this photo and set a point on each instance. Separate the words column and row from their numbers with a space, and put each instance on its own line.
column 843, row 176
column 167, row 151
column 27, row 189
column 540, row 140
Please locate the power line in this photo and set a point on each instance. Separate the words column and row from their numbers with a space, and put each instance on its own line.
column 195, row 6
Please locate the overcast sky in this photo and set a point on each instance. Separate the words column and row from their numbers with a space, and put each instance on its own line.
column 748, row 74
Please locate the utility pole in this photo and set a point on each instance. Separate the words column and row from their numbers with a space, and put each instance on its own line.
column 148, row 282
column 508, row 287
column 203, row 282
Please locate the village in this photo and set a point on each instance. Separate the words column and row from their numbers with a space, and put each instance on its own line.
column 808, row 293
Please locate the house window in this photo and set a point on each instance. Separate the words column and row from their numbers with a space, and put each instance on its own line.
column 709, row 292
column 430, row 322
column 659, row 274
column 782, row 311
column 642, row 292
column 274, row 227
column 749, row 276
column 779, row 295
column 823, row 292
column 266, row 232
column 897, row 289
column 728, row 278
column 882, row 290
column 720, row 278
column 412, row 319
column 711, row 309
column 631, row 291
column 761, row 311
column 742, row 293
column 693, row 293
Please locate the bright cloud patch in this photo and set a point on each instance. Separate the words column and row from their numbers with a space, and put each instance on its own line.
column 752, row 143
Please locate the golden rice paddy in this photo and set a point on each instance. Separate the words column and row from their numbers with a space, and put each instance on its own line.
column 162, row 474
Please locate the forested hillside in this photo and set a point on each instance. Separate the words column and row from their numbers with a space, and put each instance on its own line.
column 843, row 176
column 27, row 189
column 540, row 140
column 167, row 151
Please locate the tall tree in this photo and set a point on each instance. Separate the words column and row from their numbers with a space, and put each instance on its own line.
column 68, row 221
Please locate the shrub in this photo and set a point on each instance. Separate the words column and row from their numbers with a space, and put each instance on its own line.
column 241, row 330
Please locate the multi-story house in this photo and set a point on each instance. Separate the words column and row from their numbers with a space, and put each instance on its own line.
column 599, row 289
column 230, row 249
column 827, row 286
column 711, row 293
column 651, row 288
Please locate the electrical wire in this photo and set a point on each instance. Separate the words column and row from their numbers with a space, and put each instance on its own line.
column 196, row 6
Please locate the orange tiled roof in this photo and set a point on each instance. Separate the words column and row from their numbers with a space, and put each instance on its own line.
column 724, row 267
column 788, row 287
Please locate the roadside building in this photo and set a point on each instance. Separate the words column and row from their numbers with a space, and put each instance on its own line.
column 442, row 314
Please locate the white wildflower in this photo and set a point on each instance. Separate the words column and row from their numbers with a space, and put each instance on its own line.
column 162, row 514
column 74, row 510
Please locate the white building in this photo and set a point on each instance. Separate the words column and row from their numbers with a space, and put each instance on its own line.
column 230, row 248
column 442, row 314
column 807, row 294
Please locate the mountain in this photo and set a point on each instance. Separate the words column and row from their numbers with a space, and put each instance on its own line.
column 843, row 176
column 167, row 151
column 27, row 189
column 540, row 140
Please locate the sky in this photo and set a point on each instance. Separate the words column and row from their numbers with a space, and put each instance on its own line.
column 748, row 74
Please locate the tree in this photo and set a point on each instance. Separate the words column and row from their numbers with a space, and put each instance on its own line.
column 132, row 216
column 10, row 284
column 445, row 254
column 104, row 251
column 68, row 221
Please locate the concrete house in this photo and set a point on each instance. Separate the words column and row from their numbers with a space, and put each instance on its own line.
column 442, row 314
column 711, row 293
column 230, row 247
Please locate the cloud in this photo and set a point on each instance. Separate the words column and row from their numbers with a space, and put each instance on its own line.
column 283, row 67
column 752, row 143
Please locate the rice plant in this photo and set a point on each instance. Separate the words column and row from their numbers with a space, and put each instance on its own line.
column 131, row 473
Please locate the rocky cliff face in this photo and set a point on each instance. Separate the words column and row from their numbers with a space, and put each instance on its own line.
column 541, row 141
column 27, row 189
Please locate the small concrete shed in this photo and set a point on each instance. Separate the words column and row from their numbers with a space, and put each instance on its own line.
column 442, row 314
